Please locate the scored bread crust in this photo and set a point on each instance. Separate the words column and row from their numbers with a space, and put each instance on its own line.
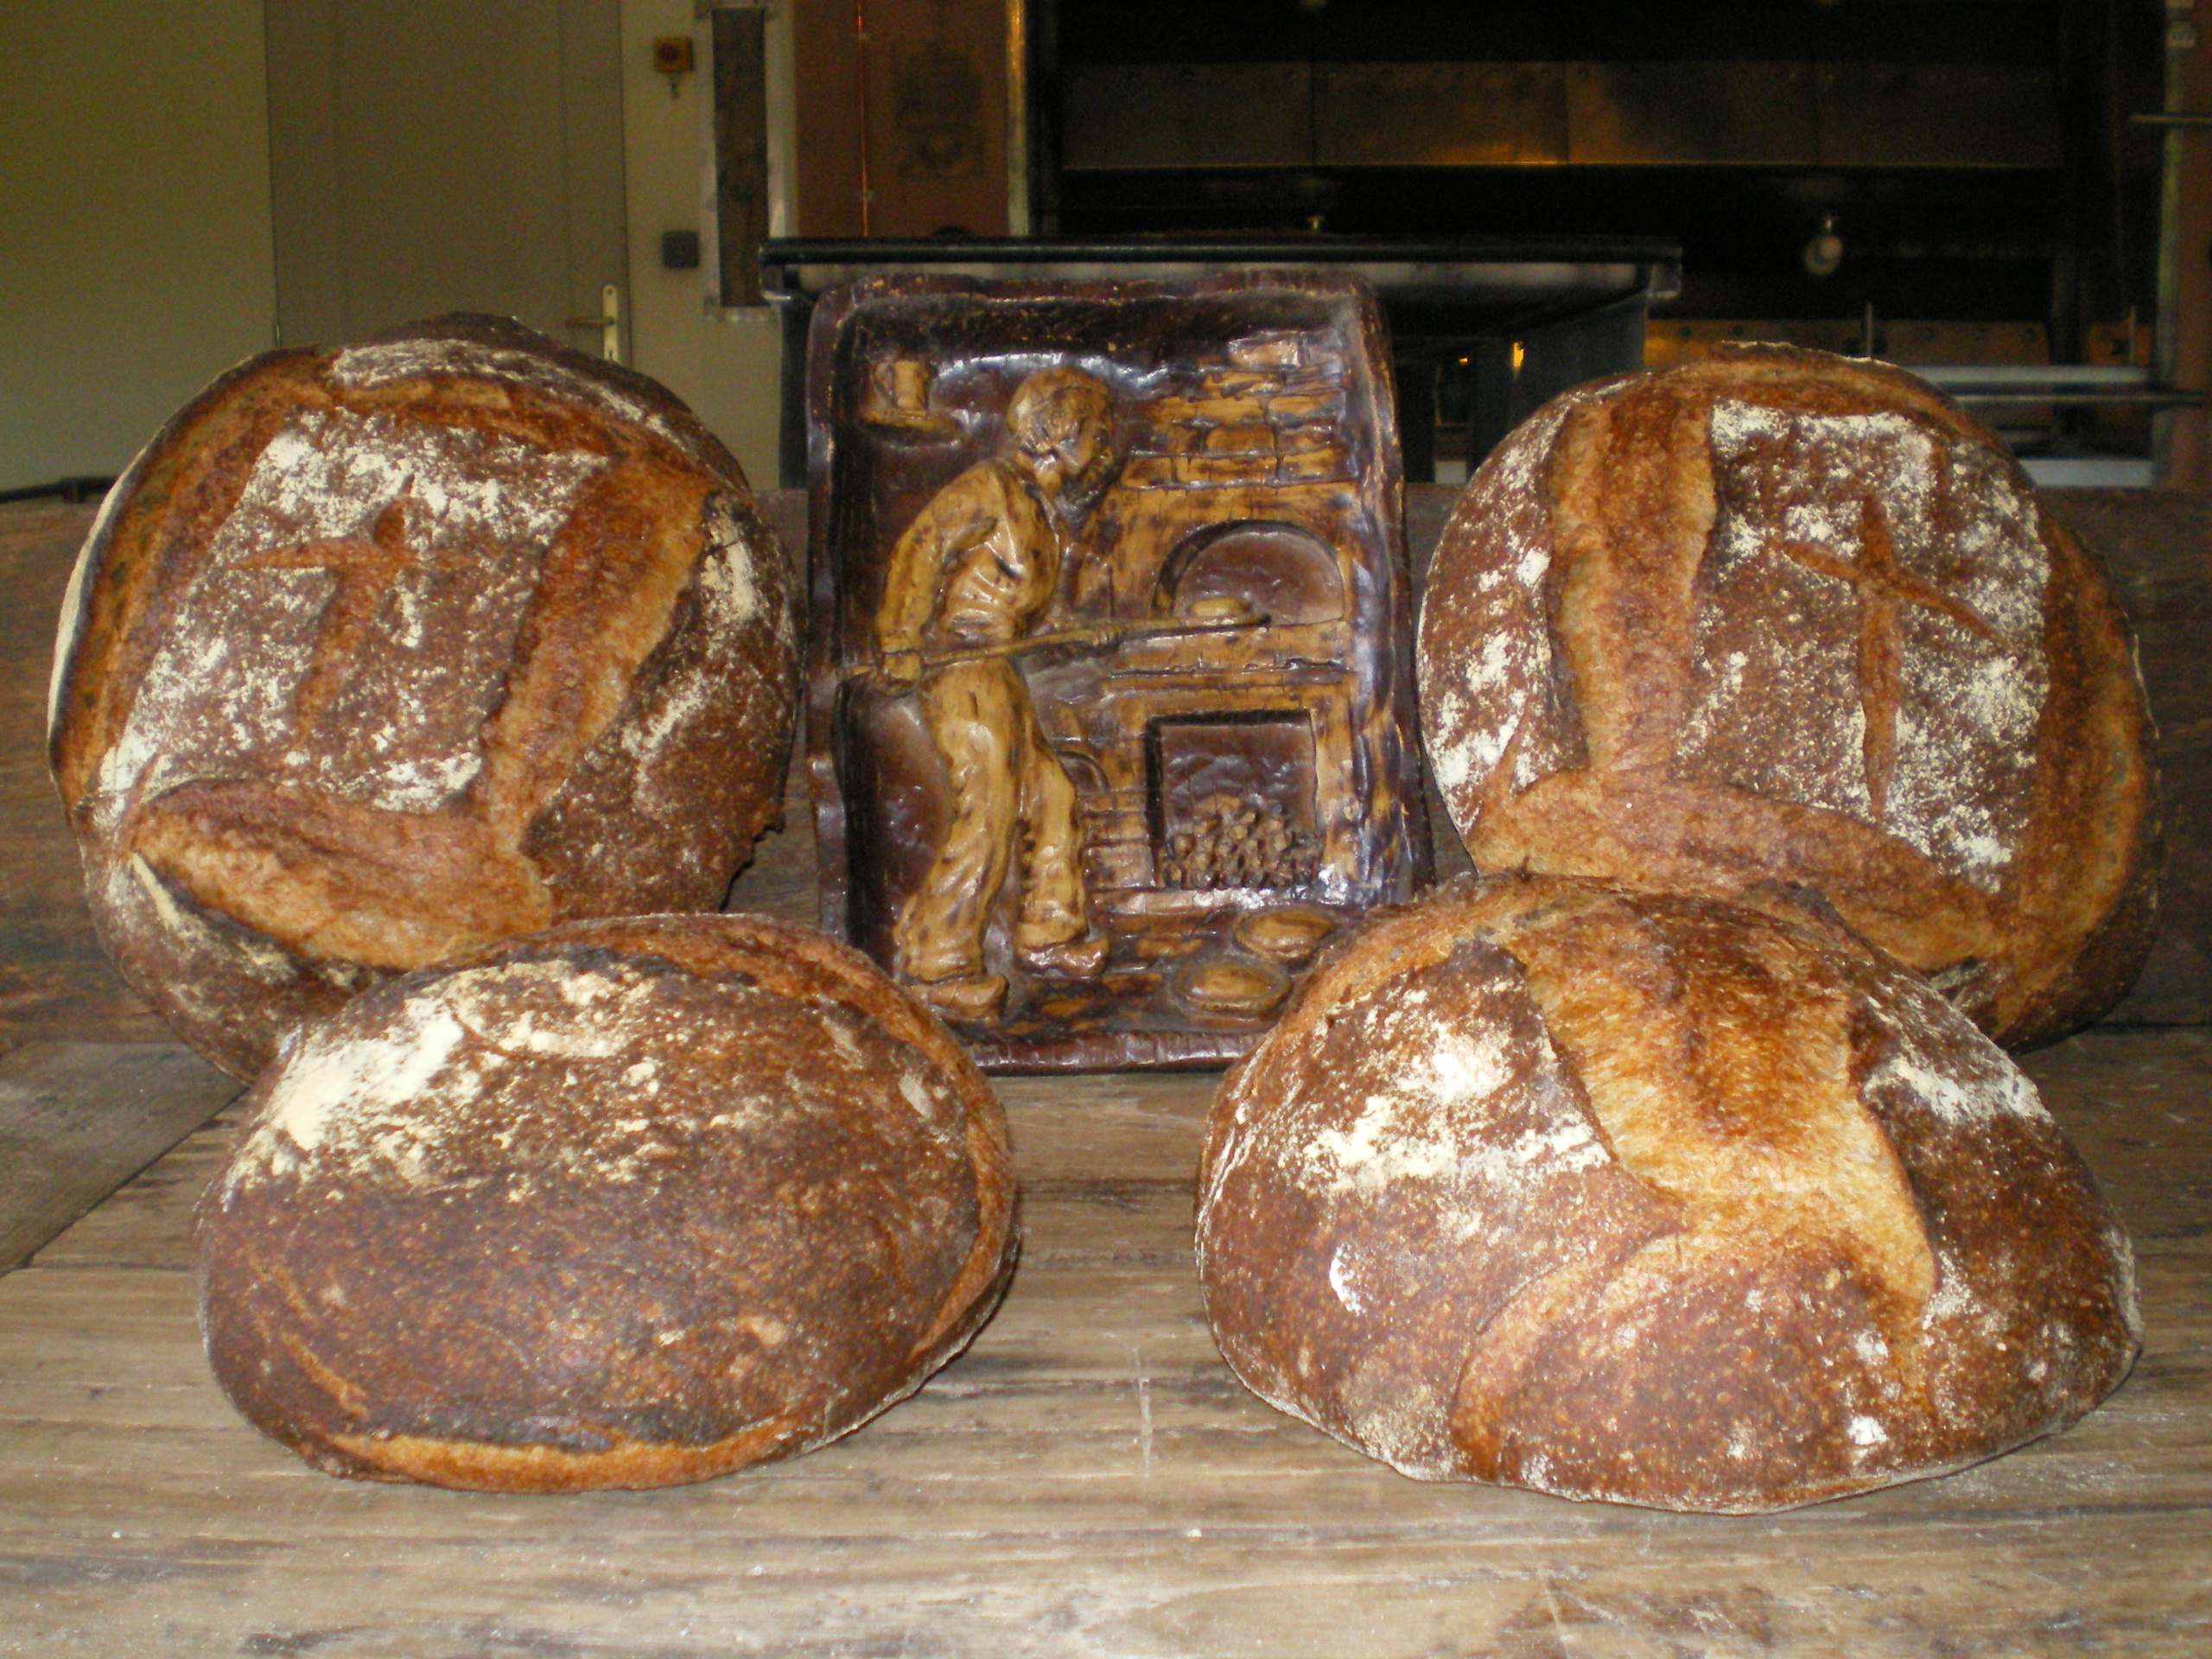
column 624, row 1203
column 1782, row 616
column 378, row 653
column 1651, row 1198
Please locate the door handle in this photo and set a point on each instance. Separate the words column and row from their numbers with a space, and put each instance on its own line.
column 608, row 322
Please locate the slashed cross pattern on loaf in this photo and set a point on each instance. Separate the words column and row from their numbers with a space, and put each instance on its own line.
column 1662, row 1051
column 1703, row 638
column 367, row 570
column 379, row 653
column 317, row 549
column 1881, row 588
column 1889, row 644
column 1775, row 620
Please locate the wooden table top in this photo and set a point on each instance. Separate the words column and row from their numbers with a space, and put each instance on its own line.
column 1089, row 1479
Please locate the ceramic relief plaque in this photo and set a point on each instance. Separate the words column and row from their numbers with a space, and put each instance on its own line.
column 1111, row 721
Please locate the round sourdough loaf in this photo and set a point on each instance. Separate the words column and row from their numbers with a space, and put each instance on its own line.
column 627, row 1202
column 1650, row 1199
column 377, row 654
column 1783, row 617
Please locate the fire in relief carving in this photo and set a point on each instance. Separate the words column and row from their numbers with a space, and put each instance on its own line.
column 1112, row 717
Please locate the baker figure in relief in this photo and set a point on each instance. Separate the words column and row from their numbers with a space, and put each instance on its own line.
column 966, row 584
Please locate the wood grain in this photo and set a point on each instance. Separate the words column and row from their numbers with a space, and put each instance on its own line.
column 54, row 980
column 1089, row 1479
column 77, row 1119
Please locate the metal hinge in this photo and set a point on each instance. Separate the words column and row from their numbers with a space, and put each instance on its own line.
column 608, row 322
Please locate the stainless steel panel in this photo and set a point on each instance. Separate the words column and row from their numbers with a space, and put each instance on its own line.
column 1500, row 285
column 1187, row 114
column 1647, row 114
column 1937, row 115
column 1440, row 114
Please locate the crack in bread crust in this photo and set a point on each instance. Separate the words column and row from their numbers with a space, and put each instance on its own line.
column 383, row 653
column 1644, row 1197
column 1777, row 616
column 621, row 1204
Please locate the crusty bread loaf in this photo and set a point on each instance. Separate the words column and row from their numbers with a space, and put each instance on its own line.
column 376, row 654
column 627, row 1202
column 1650, row 1199
column 1781, row 616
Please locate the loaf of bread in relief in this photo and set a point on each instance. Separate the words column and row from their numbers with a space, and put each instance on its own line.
column 1783, row 617
column 627, row 1202
column 1650, row 1199
column 377, row 654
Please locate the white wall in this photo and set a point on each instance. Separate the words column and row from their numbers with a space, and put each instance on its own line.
column 135, row 261
column 135, row 240
column 724, row 364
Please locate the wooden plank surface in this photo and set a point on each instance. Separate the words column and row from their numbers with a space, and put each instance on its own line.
column 54, row 982
column 1089, row 1479
column 78, row 1119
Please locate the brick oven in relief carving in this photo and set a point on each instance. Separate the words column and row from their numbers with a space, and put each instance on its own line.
column 1111, row 716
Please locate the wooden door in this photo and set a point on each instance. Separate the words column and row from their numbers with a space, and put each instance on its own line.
column 432, row 158
column 902, row 113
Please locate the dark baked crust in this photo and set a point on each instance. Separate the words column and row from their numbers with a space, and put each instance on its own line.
column 1780, row 616
column 376, row 654
column 627, row 1202
column 1650, row 1199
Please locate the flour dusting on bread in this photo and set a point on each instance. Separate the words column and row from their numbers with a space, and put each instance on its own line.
column 1962, row 1079
column 418, row 643
column 1632, row 1196
column 383, row 363
column 1776, row 617
column 1472, row 709
column 1840, row 533
column 475, row 514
